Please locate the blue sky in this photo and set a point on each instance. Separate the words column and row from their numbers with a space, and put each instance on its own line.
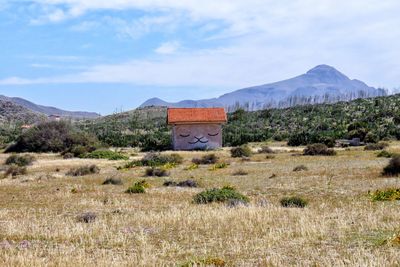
column 108, row 56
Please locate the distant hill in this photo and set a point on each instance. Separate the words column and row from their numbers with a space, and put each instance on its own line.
column 13, row 113
column 50, row 110
column 322, row 84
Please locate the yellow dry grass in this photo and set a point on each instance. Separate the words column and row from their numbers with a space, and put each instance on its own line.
column 340, row 227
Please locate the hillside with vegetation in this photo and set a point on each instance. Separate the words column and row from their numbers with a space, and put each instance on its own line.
column 371, row 120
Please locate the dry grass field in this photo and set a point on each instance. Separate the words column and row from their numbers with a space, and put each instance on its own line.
column 341, row 226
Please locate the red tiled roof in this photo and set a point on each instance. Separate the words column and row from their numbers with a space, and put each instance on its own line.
column 196, row 115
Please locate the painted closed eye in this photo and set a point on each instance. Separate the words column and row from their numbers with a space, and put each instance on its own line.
column 184, row 135
column 213, row 134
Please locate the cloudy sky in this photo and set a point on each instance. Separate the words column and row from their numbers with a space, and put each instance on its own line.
column 106, row 56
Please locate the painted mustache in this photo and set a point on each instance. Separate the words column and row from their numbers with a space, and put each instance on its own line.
column 199, row 140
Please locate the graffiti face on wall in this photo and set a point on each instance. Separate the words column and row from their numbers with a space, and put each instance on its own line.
column 195, row 136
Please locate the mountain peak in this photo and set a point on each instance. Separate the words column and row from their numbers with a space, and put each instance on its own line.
column 327, row 73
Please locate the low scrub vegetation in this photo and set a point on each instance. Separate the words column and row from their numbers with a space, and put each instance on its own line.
column 20, row 160
column 84, row 170
column 241, row 151
column 113, row 181
column 15, row 170
column 219, row 195
column 393, row 168
column 186, row 183
column 300, row 168
column 217, row 166
column 318, row 149
column 240, row 172
column 206, row 159
column 293, row 202
column 138, row 188
column 385, row 154
column 266, row 150
column 388, row 194
column 152, row 159
column 159, row 172
column 377, row 146
column 105, row 154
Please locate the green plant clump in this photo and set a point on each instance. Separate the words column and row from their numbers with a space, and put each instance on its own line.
column 219, row 195
column 105, row 154
column 293, row 202
column 241, row 151
column 389, row 194
column 138, row 188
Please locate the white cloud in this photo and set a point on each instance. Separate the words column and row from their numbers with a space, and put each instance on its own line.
column 168, row 47
column 265, row 40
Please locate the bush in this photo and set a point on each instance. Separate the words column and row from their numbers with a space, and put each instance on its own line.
column 393, row 168
column 20, row 161
column 318, row 149
column 219, row 195
column 157, row 159
column 266, row 150
column 187, row 183
column 84, row 170
column 192, row 167
column 241, row 151
column 87, row 217
column 159, row 172
column 389, row 194
column 206, row 159
column 15, row 170
column 293, row 202
column 113, row 181
column 300, row 168
column 378, row 146
column 137, row 188
column 371, row 138
column 105, row 154
column 51, row 137
column 240, row 172
column 385, row 154
column 218, row 166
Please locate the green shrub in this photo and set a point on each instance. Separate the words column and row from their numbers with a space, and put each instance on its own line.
column 159, row 172
column 318, row 149
column 293, row 202
column 218, row 166
column 192, row 167
column 105, row 154
column 51, row 137
column 219, row 195
column 386, row 194
column 137, row 188
column 378, row 146
column 15, row 170
column 300, row 168
column 206, row 159
column 393, row 168
column 21, row 161
column 84, row 170
column 385, row 154
column 113, row 181
column 241, row 151
column 371, row 138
